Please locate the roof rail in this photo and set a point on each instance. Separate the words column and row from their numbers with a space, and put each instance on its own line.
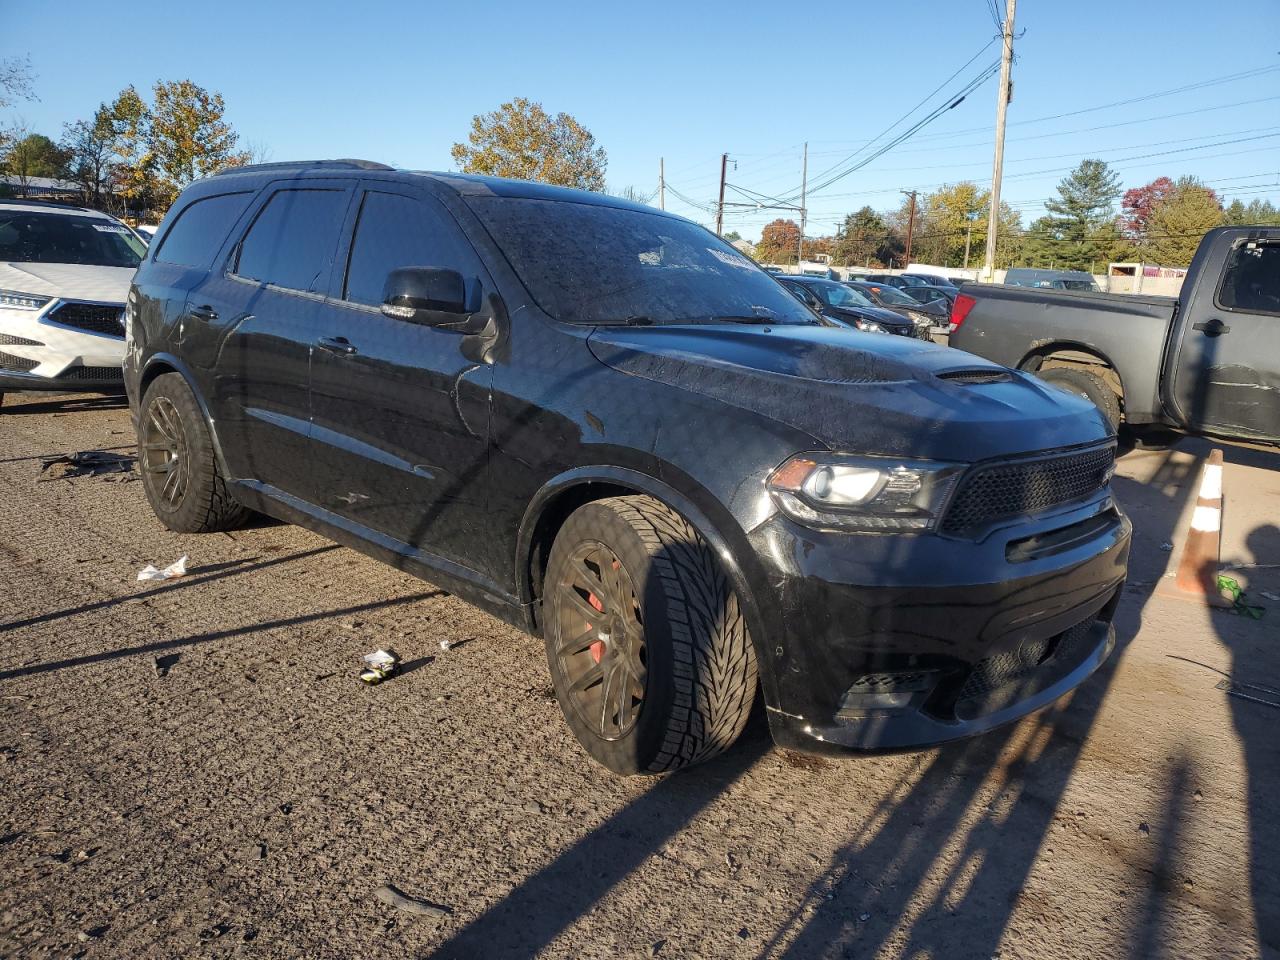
column 343, row 164
column 60, row 204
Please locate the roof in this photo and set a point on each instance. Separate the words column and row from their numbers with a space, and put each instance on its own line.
column 43, row 206
column 466, row 184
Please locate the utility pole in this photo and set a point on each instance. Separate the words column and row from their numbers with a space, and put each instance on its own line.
column 724, row 166
column 804, row 213
column 968, row 235
column 911, row 223
column 997, row 166
column 662, row 184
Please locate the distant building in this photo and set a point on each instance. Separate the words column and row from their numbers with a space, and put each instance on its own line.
column 744, row 246
column 46, row 187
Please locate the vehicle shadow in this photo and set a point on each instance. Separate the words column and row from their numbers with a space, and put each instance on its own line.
column 204, row 574
column 200, row 638
column 73, row 403
column 960, row 834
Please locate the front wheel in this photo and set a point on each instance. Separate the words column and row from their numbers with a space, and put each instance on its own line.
column 175, row 456
column 649, row 654
column 1089, row 386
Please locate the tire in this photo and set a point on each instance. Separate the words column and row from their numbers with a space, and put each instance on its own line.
column 649, row 653
column 175, row 457
column 1090, row 386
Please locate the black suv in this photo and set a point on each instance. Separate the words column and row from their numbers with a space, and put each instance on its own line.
column 605, row 425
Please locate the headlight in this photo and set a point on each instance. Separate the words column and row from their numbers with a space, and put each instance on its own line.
column 869, row 326
column 22, row 301
column 839, row 492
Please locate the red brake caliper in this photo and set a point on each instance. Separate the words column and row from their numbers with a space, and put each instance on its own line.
column 597, row 648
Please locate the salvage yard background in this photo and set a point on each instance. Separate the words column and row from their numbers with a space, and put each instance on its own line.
column 190, row 768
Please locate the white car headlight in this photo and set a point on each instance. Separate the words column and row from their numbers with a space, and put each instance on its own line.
column 869, row 326
column 22, row 301
column 839, row 492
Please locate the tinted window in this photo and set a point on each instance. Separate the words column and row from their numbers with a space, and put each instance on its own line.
column 291, row 243
column 66, row 238
column 1251, row 282
column 590, row 263
column 395, row 231
column 200, row 229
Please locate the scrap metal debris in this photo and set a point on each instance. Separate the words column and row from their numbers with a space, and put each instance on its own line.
column 1235, row 689
column 420, row 908
column 86, row 463
column 380, row 665
column 176, row 569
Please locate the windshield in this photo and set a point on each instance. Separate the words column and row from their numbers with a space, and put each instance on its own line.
column 66, row 238
column 1078, row 285
column 888, row 294
column 589, row 263
column 838, row 295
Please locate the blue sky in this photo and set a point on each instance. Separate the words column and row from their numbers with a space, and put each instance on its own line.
column 400, row 81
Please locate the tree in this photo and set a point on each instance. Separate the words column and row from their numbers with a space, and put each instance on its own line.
column 1136, row 206
column 1255, row 212
column 189, row 137
column 779, row 241
column 89, row 149
column 1076, row 219
column 126, row 122
column 17, row 81
column 1179, row 222
column 732, row 235
column 521, row 140
column 863, row 238
column 33, row 155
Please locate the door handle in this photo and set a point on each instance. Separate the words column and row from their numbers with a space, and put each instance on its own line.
column 339, row 345
column 1211, row 328
column 205, row 313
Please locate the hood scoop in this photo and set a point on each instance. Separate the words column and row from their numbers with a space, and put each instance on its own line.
column 976, row 376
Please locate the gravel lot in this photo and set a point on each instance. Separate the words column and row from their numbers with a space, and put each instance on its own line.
column 191, row 768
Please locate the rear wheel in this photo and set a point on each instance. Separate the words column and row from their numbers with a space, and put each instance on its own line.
column 1088, row 385
column 175, row 456
column 648, row 650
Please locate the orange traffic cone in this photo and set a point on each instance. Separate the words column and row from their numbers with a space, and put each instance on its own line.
column 1197, row 574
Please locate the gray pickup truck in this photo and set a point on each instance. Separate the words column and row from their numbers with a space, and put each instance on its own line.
column 1206, row 362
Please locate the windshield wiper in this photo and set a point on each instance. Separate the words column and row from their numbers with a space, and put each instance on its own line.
column 633, row 321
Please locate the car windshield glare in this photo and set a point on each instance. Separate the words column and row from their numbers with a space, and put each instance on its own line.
column 838, row 295
column 27, row 237
column 591, row 263
column 888, row 294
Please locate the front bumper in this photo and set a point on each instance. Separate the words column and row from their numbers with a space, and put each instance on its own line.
column 40, row 350
column 899, row 642
column 77, row 382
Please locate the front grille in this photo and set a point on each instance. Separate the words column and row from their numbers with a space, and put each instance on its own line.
column 1006, row 678
column 9, row 362
column 1005, row 490
column 975, row 376
column 94, row 317
column 92, row 373
column 9, row 340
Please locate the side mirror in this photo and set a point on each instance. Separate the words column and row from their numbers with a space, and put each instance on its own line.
column 431, row 296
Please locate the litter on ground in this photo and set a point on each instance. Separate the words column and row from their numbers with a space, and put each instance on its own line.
column 379, row 665
column 176, row 569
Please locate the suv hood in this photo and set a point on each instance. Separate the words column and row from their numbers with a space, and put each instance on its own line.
column 71, row 281
column 858, row 392
column 878, row 314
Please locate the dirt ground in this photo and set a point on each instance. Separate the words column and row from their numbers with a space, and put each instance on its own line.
column 191, row 769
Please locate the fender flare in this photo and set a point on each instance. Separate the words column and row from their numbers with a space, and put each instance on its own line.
column 682, row 504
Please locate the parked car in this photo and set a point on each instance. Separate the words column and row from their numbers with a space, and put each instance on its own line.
column 892, row 279
column 934, row 313
column 847, row 307
column 945, row 295
column 929, row 279
column 1206, row 362
column 64, row 275
column 641, row 448
column 1050, row 279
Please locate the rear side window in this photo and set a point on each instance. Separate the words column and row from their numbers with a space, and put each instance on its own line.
column 396, row 231
column 1251, row 281
column 200, row 229
column 291, row 243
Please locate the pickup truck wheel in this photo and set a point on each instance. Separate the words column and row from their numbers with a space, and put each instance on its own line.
column 1084, row 384
column 175, row 457
column 648, row 650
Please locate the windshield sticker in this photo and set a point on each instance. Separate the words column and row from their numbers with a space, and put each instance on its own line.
column 110, row 228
